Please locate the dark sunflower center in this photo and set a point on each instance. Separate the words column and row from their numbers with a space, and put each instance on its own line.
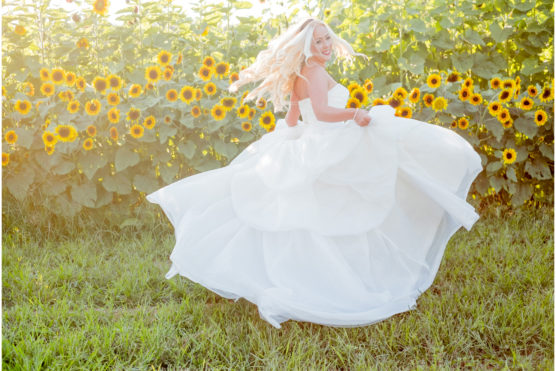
column 164, row 58
column 153, row 74
column 57, row 76
column 266, row 120
column 64, row 132
column 113, row 82
column 205, row 72
column 134, row 115
column 100, row 85
column 220, row 69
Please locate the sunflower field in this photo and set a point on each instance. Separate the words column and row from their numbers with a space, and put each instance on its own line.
column 96, row 115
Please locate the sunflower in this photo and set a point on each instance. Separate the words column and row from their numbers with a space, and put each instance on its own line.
column 464, row 94
column 58, row 76
column 82, row 43
column 251, row 113
column 368, row 85
column 526, row 103
column 66, row 133
column 205, row 32
column 218, row 112
column 133, row 114
column 149, row 122
column 3, row 90
column 114, row 115
column 505, row 95
column 547, row 94
column 196, row 111
column 243, row 111
column 11, row 137
column 361, row 95
column 540, row 117
column 101, row 7
column 100, row 84
column 5, row 158
column 23, row 106
column 135, row 90
column 267, row 120
column 136, row 131
column 517, row 90
column 210, row 88
column 394, row 102
column 187, row 94
column 508, row 123
column 454, row 76
column 205, row 111
column 353, row 103
column 353, row 85
column 403, row 112
column 439, row 104
column 92, row 107
column 45, row 74
column 228, row 103
column 113, row 99
column 149, row 86
column 494, row 108
column 463, row 123
column 92, row 130
column 476, row 99
column 164, row 58
column 428, row 99
column 261, row 103
column 167, row 74
column 379, row 102
column 80, row 83
column 234, row 76
column 400, row 93
column 114, row 133
column 198, row 94
column 508, row 84
column 63, row 97
column 205, row 73
column 70, row 79
column 20, row 30
column 168, row 119
column 30, row 89
column 414, row 95
column 503, row 115
column 153, row 74
column 243, row 96
column 180, row 58
column 454, row 124
column 434, row 80
column 88, row 144
column 172, row 95
column 73, row 106
column 221, row 69
column 49, row 150
column 114, row 82
column 246, row 126
column 495, row 83
column 509, row 155
column 209, row 61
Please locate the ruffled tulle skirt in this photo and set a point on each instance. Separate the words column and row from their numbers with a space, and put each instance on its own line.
column 330, row 223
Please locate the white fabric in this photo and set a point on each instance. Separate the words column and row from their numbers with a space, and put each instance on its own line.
column 330, row 223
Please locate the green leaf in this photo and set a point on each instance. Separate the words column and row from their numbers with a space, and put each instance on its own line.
column 524, row 6
column 24, row 137
column 538, row 169
column 206, row 164
column 527, row 126
column 145, row 184
column 188, row 149
column 481, row 183
column 484, row 67
column 90, row 163
column 498, row 34
column 63, row 167
column 462, row 62
column 118, row 183
column 473, row 37
column 524, row 191
column 510, row 173
column 125, row 158
column 442, row 40
column 52, row 186
column 19, row 183
column 494, row 166
column 496, row 182
column 168, row 173
column 84, row 194
column 546, row 151
column 417, row 25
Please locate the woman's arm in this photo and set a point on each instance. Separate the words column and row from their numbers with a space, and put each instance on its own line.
column 293, row 114
column 318, row 92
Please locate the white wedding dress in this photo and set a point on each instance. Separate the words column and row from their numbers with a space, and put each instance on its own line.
column 330, row 223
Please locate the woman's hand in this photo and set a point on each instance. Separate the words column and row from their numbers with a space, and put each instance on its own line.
column 362, row 117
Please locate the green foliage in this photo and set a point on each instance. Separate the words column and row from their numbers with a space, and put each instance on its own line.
column 479, row 42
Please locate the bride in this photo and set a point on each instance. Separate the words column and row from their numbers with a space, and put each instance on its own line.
column 340, row 219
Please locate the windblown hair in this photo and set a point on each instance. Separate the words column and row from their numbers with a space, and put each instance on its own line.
column 281, row 62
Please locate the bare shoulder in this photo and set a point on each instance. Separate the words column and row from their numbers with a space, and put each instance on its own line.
column 313, row 71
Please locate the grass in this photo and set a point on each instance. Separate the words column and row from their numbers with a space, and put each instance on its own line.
column 99, row 300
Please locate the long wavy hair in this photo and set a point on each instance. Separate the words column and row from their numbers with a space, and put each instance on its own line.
column 281, row 62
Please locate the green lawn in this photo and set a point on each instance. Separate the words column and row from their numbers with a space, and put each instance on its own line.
column 99, row 300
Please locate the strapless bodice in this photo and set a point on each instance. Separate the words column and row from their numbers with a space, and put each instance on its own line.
column 337, row 97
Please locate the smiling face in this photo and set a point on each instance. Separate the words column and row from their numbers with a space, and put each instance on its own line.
column 321, row 46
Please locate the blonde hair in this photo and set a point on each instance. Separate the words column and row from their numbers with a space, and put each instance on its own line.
column 281, row 62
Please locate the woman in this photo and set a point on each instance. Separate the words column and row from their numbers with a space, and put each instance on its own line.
column 340, row 219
